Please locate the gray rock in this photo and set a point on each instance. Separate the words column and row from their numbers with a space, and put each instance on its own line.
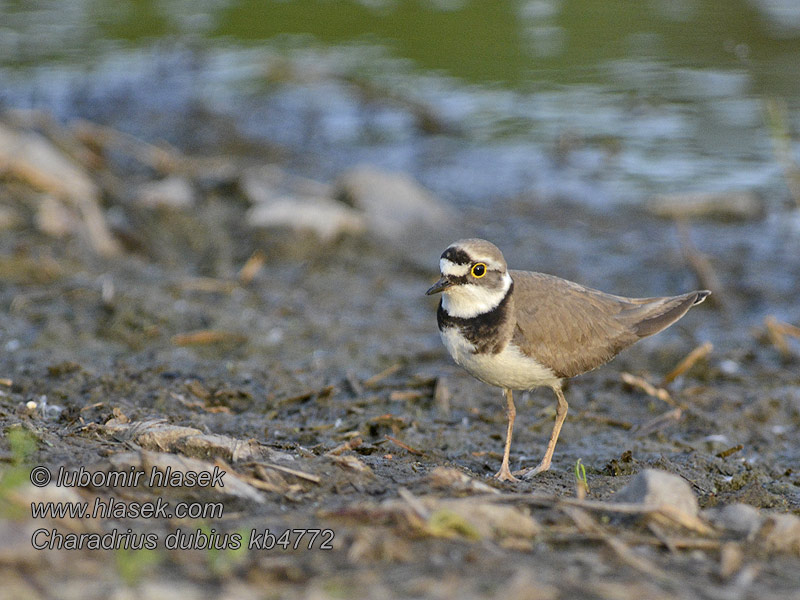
column 394, row 204
column 323, row 216
column 171, row 192
column 741, row 520
column 659, row 488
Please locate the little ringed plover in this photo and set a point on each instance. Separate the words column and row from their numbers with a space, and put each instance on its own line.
column 519, row 330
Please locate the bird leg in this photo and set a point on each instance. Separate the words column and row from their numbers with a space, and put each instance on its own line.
column 504, row 474
column 561, row 414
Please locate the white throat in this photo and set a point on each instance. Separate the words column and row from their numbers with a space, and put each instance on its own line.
column 470, row 300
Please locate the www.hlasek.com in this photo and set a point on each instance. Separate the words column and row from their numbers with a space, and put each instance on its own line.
column 180, row 539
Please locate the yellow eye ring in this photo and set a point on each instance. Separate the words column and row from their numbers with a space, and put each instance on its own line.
column 478, row 270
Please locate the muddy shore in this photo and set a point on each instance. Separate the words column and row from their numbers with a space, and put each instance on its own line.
column 310, row 369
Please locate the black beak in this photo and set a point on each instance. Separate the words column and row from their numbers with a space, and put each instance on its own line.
column 439, row 286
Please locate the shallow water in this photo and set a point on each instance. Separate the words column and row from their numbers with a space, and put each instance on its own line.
column 590, row 101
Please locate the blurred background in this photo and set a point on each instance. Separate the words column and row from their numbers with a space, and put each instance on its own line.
column 603, row 102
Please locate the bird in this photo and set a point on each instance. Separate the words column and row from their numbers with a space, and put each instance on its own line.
column 519, row 330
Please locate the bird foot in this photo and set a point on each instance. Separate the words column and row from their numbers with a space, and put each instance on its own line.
column 532, row 472
column 504, row 474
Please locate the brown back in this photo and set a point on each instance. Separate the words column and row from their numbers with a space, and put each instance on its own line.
column 573, row 329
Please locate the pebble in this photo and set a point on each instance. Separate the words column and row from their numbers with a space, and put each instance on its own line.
column 170, row 192
column 739, row 519
column 658, row 488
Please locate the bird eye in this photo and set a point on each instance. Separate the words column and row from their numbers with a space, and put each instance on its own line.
column 478, row 270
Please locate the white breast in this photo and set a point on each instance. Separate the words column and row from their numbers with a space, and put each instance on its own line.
column 507, row 369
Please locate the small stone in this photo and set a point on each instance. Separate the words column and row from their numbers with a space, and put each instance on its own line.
column 171, row 192
column 325, row 217
column 394, row 203
column 9, row 218
column 53, row 218
column 267, row 183
column 659, row 488
column 781, row 533
column 739, row 519
column 723, row 206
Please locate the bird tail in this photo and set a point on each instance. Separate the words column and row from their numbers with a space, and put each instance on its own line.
column 655, row 316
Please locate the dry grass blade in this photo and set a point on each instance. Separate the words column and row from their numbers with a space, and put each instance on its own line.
column 252, row 267
column 406, row 395
column 604, row 420
column 665, row 512
column 322, row 392
column 161, row 159
column 346, row 447
column 206, row 337
column 453, row 479
column 647, row 387
column 688, row 362
column 415, row 504
column 6, row 382
column 295, row 472
column 405, row 446
column 660, row 422
column 351, row 462
column 387, row 372
column 777, row 331
column 586, row 524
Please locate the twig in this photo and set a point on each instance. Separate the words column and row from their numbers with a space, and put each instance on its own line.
column 688, row 362
column 647, row 387
column 729, row 451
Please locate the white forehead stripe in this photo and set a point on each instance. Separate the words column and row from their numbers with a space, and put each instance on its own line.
column 447, row 267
